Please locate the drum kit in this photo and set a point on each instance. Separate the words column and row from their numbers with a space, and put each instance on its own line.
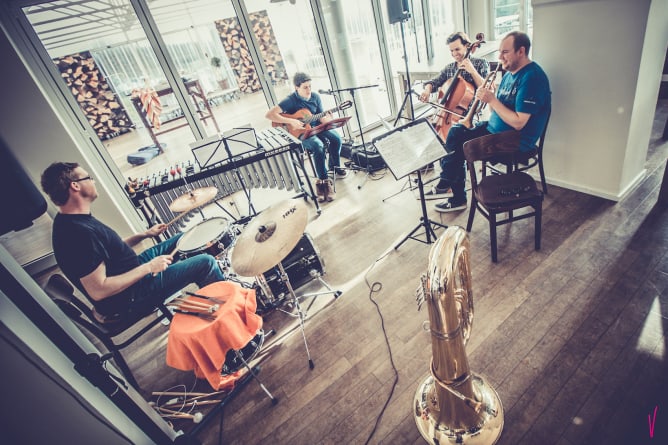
column 273, row 248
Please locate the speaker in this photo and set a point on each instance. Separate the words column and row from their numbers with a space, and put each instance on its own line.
column 397, row 10
column 26, row 203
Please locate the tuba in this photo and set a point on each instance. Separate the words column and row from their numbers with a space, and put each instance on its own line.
column 452, row 404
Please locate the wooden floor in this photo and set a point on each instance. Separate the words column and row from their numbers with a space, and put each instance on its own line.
column 571, row 336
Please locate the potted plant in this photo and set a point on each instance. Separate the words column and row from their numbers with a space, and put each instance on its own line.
column 217, row 64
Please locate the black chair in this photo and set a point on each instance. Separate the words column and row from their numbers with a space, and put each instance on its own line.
column 501, row 193
column 522, row 161
column 62, row 293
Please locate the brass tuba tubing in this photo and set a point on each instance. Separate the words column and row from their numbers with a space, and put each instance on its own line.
column 453, row 405
column 477, row 105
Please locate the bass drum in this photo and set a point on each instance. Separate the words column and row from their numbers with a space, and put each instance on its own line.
column 302, row 265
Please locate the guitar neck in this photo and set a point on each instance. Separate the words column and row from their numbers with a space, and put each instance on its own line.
column 315, row 117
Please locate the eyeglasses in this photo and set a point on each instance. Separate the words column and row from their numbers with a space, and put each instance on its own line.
column 83, row 179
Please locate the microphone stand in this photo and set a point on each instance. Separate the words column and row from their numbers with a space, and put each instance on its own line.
column 352, row 90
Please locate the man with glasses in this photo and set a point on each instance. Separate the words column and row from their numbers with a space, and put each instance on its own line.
column 102, row 265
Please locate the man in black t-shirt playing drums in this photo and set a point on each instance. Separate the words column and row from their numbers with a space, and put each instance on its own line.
column 101, row 264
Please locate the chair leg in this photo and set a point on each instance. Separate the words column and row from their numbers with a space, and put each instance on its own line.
column 542, row 175
column 492, row 235
column 125, row 369
column 469, row 224
column 538, row 223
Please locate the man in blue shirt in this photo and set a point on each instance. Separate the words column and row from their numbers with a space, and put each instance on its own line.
column 303, row 100
column 522, row 103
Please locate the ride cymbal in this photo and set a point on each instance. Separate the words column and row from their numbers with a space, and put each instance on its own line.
column 269, row 237
column 192, row 199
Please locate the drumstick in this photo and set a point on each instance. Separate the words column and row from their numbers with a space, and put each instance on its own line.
column 191, row 302
column 196, row 314
column 177, row 217
column 196, row 306
column 215, row 300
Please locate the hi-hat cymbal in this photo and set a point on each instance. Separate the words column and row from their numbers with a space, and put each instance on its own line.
column 269, row 237
column 193, row 199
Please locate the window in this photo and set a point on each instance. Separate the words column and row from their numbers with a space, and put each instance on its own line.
column 512, row 15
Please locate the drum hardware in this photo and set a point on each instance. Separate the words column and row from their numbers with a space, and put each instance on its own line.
column 265, row 243
column 237, row 359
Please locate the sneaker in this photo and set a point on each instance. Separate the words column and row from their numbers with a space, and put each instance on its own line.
column 449, row 206
column 340, row 172
column 437, row 193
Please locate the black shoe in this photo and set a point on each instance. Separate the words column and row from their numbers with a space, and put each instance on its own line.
column 340, row 172
column 449, row 206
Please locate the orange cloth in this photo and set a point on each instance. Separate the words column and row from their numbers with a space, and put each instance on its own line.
column 198, row 344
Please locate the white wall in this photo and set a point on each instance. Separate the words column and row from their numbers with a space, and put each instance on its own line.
column 604, row 89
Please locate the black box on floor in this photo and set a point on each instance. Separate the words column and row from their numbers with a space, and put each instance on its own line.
column 362, row 158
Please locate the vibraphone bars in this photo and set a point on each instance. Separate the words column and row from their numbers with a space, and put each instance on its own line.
column 272, row 166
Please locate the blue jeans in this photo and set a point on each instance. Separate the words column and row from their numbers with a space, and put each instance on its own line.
column 316, row 146
column 453, row 171
column 151, row 290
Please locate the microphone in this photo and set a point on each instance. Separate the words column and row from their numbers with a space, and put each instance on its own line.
column 325, row 91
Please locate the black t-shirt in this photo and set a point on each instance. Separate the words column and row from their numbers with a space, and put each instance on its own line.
column 80, row 244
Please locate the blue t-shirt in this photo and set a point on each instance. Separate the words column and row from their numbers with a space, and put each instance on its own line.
column 526, row 91
column 294, row 102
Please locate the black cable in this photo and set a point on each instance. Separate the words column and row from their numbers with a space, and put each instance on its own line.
column 375, row 287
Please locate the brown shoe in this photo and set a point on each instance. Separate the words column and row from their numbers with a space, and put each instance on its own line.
column 329, row 190
column 320, row 190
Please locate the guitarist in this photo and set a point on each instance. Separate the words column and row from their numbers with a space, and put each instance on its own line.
column 304, row 102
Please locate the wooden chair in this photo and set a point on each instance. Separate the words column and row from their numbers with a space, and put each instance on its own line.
column 522, row 161
column 62, row 293
column 501, row 193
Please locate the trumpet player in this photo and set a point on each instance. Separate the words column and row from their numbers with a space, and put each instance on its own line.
column 522, row 103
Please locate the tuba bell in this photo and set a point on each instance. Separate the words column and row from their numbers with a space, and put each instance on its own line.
column 452, row 404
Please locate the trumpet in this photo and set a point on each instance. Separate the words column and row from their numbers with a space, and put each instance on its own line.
column 477, row 105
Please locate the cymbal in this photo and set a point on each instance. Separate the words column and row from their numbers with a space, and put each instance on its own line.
column 194, row 198
column 269, row 237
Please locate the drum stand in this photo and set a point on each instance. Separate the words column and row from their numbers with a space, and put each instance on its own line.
column 301, row 313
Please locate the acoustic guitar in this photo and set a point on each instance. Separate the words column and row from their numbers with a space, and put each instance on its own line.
column 305, row 116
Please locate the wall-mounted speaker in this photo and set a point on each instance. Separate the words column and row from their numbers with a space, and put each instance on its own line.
column 397, row 10
column 24, row 202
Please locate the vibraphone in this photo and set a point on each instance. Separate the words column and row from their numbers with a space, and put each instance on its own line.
column 272, row 166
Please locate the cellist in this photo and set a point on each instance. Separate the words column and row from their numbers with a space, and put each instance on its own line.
column 472, row 69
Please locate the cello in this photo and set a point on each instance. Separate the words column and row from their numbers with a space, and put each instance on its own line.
column 458, row 95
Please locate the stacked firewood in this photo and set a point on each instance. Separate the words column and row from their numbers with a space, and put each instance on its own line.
column 236, row 49
column 94, row 95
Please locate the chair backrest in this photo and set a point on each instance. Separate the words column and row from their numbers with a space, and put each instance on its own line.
column 492, row 145
column 541, row 139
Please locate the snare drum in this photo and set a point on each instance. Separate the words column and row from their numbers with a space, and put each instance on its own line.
column 213, row 236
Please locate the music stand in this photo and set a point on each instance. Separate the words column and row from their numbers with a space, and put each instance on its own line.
column 408, row 149
column 236, row 144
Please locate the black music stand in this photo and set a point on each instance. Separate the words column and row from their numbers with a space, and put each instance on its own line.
column 357, row 164
column 408, row 95
column 408, row 149
column 232, row 146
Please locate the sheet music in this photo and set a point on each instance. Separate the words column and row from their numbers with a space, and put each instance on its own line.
column 410, row 147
